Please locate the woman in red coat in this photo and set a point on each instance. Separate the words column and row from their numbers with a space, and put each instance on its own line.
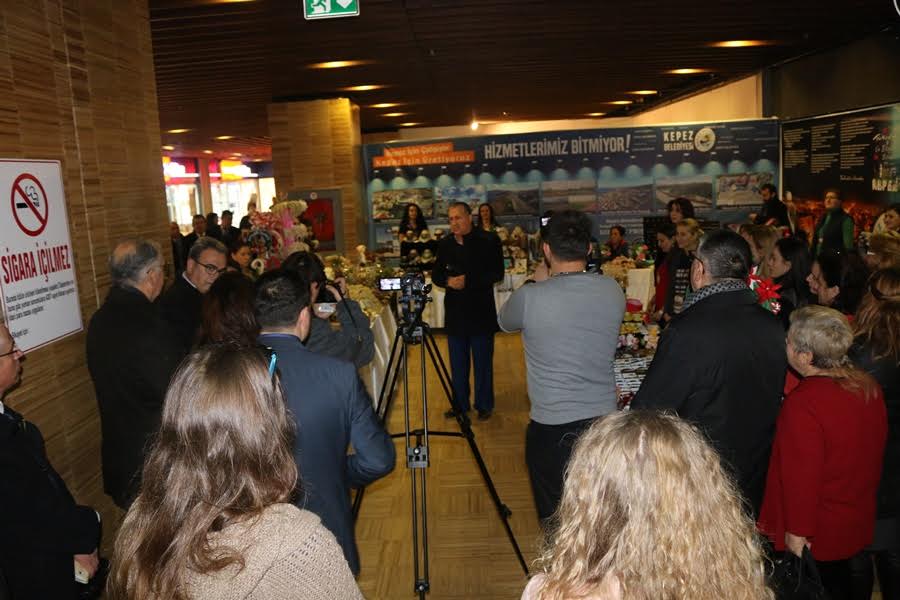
column 826, row 459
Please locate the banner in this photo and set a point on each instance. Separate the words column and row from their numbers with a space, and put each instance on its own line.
column 38, row 290
column 617, row 176
column 856, row 153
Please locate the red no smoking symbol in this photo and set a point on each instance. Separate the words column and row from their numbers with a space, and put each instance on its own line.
column 29, row 204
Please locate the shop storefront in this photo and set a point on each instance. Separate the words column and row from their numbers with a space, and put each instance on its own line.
column 234, row 183
column 182, row 189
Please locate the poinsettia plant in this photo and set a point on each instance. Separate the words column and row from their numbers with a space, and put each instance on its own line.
column 766, row 292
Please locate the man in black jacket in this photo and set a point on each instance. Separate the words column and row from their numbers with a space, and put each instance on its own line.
column 42, row 529
column 773, row 211
column 332, row 409
column 132, row 354
column 469, row 263
column 181, row 303
column 721, row 363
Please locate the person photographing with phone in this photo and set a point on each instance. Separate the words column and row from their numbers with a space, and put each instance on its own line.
column 353, row 339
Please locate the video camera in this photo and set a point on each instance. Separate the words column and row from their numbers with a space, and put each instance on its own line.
column 411, row 300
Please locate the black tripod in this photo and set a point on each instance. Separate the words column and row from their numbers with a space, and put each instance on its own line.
column 413, row 331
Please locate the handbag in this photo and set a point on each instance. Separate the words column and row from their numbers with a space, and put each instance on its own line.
column 797, row 578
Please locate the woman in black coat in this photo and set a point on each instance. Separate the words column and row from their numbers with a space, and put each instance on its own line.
column 877, row 350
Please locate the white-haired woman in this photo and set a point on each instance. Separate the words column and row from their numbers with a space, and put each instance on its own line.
column 826, row 459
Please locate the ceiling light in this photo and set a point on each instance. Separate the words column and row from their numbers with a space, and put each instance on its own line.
column 207, row 152
column 168, row 147
column 474, row 125
column 409, row 124
column 362, row 88
column 742, row 43
column 621, row 102
column 595, row 114
column 177, row 130
column 687, row 71
column 385, row 105
column 236, row 154
column 339, row 64
column 644, row 93
column 395, row 114
column 224, row 137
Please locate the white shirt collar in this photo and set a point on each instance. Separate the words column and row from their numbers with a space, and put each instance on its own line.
column 188, row 279
column 2, row 409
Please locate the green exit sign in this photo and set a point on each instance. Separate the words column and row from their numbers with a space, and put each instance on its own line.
column 329, row 9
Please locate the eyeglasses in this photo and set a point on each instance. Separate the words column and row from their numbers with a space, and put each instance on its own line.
column 212, row 269
column 13, row 351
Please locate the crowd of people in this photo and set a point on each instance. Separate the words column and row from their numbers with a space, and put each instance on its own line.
column 235, row 423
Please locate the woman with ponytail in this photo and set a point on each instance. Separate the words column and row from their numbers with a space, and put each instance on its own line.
column 826, row 459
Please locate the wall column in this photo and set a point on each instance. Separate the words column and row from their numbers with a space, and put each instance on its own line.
column 316, row 144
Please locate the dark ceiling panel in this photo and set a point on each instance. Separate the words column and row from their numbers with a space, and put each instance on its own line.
column 219, row 64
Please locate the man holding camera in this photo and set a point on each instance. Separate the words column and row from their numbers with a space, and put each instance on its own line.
column 469, row 263
column 570, row 326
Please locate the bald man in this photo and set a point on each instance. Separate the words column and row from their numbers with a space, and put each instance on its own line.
column 42, row 529
column 132, row 353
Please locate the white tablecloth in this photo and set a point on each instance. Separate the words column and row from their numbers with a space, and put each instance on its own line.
column 641, row 286
column 384, row 327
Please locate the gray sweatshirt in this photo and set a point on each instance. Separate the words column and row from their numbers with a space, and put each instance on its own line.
column 570, row 326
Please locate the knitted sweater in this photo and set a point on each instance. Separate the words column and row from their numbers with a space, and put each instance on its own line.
column 288, row 555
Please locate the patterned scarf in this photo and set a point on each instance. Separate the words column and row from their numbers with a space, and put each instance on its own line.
column 725, row 285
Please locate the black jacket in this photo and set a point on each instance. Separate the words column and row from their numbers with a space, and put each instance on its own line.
column 180, row 307
column 131, row 355
column 333, row 411
column 721, row 365
column 470, row 311
column 774, row 210
column 353, row 341
column 887, row 373
column 42, row 527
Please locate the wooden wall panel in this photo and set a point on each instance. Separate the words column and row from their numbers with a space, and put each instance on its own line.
column 77, row 85
column 316, row 144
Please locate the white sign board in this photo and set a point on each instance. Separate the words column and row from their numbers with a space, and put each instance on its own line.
column 38, row 290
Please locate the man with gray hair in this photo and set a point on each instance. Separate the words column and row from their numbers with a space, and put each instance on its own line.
column 181, row 303
column 721, row 363
column 131, row 354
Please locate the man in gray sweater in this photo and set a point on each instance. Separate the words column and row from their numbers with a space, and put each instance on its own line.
column 570, row 325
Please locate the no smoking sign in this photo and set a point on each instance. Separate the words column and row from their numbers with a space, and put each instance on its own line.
column 30, row 206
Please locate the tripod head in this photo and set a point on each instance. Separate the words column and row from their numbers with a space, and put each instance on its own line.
column 412, row 297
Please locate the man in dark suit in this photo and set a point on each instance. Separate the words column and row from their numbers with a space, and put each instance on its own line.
column 469, row 263
column 199, row 225
column 42, row 528
column 721, row 363
column 131, row 354
column 182, row 302
column 330, row 405
column 179, row 252
column 230, row 233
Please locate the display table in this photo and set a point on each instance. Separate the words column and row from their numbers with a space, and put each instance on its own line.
column 384, row 327
column 641, row 286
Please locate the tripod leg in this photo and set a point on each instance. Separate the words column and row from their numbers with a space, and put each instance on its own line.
column 385, row 402
column 469, row 435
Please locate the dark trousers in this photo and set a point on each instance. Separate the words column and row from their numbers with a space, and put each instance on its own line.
column 847, row 579
column 481, row 350
column 547, row 452
column 887, row 562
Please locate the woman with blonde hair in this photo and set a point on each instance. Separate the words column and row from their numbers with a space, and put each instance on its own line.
column 876, row 350
column 648, row 513
column 762, row 240
column 827, row 454
column 884, row 251
column 687, row 238
column 213, row 519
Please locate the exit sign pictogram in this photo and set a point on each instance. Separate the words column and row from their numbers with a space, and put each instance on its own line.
column 329, row 9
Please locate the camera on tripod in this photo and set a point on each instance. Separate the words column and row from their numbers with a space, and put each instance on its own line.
column 411, row 300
